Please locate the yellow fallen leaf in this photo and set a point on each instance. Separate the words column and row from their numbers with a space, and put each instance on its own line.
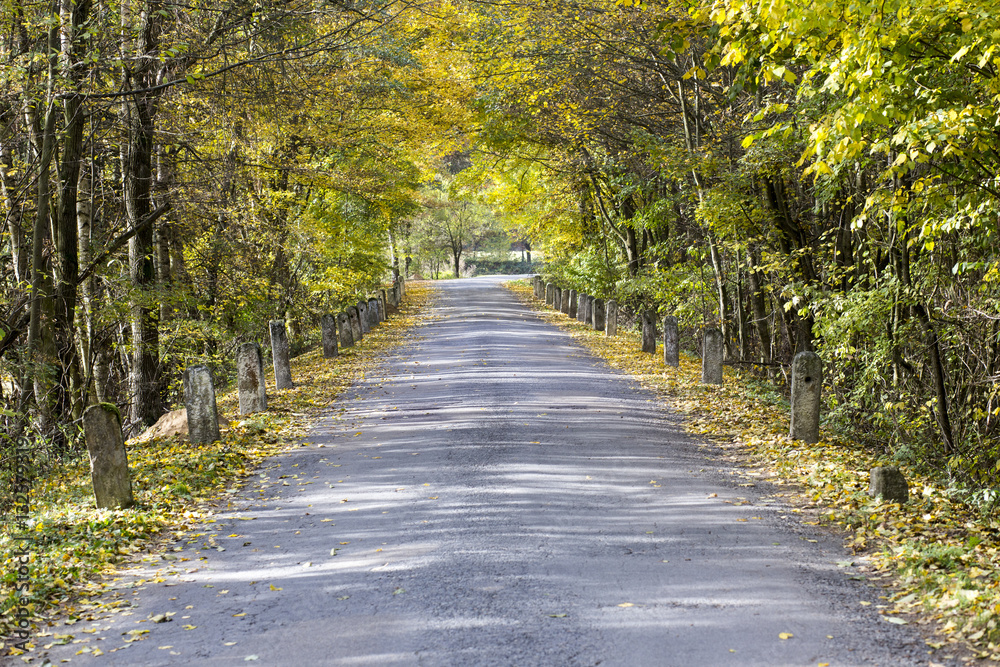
column 626, row 604
column 242, row 613
column 275, row 588
column 785, row 635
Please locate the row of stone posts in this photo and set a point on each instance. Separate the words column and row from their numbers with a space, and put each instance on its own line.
column 583, row 307
column 103, row 423
column 807, row 367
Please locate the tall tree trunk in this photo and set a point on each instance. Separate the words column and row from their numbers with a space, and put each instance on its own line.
column 65, row 232
column 138, row 112
column 41, row 348
column 758, row 307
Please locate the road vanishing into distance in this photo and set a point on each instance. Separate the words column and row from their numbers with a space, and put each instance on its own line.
column 495, row 495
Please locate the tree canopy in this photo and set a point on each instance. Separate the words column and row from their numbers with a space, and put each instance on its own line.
column 802, row 175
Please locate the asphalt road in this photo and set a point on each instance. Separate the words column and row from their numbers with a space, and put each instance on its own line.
column 494, row 495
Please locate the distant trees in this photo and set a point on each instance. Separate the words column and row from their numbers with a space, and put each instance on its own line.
column 450, row 222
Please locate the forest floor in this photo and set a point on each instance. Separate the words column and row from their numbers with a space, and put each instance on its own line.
column 939, row 556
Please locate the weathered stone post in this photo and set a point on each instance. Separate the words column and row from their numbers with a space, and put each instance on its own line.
column 199, row 400
column 550, row 294
column 384, row 304
column 250, row 378
column 588, row 309
column 537, row 284
column 889, row 483
column 807, row 382
column 363, row 317
column 375, row 317
column 611, row 318
column 711, row 357
column 597, row 315
column 102, row 427
column 648, row 332
column 352, row 315
column 393, row 300
column 396, row 293
column 564, row 303
column 671, row 342
column 581, row 306
column 573, row 304
column 279, row 355
column 346, row 332
column 328, row 325
column 557, row 298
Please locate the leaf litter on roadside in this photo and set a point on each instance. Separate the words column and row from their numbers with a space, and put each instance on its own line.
column 79, row 549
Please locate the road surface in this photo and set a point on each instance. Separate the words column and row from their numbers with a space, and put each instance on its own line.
column 494, row 495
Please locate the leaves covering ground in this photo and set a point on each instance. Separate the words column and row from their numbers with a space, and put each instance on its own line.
column 176, row 485
column 937, row 557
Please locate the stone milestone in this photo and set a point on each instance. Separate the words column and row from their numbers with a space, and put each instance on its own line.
column 102, row 428
column 199, row 400
column 671, row 342
column 611, row 318
column 807, row 383
column 328, row 327
column 597, row 315
column 280, row 355
column 364, row 317
column 352, row 314
column 648, row 332
column 889, row 484
column 346, row 332
column 711, row 357
column 250, row 379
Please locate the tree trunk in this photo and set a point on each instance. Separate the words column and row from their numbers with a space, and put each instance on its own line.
column 138, row 112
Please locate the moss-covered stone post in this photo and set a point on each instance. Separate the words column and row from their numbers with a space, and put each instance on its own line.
column 711, row 357
column 807, row 381
column 344, row 327
column 328, row 326
column 202, row 410
column 280, row 355
column 671, row 342
column 250, row 379
column 102, row 428
column 597, row 315
column 648, row 332
column 611, row 318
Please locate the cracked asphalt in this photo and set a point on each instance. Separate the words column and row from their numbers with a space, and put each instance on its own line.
column 494, row 495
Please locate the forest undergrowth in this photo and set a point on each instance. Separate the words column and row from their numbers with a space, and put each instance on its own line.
column 80, row 550
column 938, row 558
